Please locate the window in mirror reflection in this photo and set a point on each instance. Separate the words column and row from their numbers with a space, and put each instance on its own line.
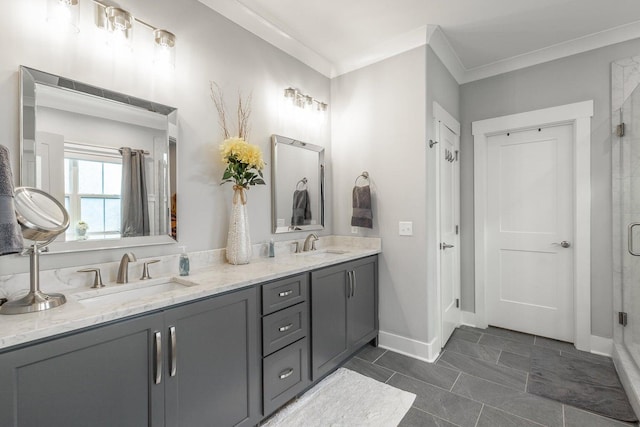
column 92, row 194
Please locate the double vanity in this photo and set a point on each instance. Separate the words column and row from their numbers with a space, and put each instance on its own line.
column 227, row 345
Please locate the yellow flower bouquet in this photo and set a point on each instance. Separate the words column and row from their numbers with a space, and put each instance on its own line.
column 244, row 160
column 244, row 163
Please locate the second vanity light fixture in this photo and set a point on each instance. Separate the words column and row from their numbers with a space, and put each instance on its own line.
column 117, row 22
column 301, row 100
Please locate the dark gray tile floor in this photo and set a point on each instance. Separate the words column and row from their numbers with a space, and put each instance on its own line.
column 479, row 380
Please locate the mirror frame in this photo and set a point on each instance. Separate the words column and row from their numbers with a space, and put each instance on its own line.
column 29, row 77
column 275, row 141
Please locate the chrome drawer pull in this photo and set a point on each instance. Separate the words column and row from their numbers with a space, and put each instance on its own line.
column 285, row 293
column 285, row 328
column 158, row 361
column 286, row 374
column 174, row 357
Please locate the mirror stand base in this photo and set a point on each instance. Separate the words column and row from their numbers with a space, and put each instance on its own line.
column 32, row 302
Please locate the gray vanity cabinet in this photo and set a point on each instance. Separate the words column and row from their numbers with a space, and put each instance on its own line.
column 213, row 366
column 101, row 377
column 208, row 371
column 344, row 312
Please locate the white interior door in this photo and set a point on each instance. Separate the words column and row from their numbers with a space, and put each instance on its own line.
column 529, row 261
column 449, row 195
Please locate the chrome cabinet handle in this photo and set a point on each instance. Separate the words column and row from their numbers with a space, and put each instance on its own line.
column 564, row 244
column 285, row 328
column 349, row 284
column 285, row 293
column 174, row 354
column 630, row 239
column 158, row 361
column 286, row 374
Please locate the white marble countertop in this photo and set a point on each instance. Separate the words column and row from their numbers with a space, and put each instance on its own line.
column 205, row 281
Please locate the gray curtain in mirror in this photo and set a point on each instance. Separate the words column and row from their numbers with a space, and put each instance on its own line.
column 135, row 206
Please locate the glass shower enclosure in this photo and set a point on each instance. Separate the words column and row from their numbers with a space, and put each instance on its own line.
column 626, row 240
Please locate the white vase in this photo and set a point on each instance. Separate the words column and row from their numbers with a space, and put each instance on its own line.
column 238, row 239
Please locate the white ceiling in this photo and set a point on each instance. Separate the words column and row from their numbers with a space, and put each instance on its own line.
column 482, row 37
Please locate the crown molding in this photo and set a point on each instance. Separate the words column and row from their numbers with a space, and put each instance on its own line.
column 441, row 47
column 432, row 35
column 560, row 50
column 263, row 28
column 395, row 46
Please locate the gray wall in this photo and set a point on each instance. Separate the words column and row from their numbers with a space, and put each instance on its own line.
column 378, row 126
column 572, row 79
column 382, row 118
column 209, row 47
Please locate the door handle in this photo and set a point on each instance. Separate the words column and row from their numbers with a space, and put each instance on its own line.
column 174, row 356
column 630, row 239
column 444, row 246
column 564, row 244
column 158, row 361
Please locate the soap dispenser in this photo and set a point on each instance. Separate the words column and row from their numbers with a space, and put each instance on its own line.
column 184, row 262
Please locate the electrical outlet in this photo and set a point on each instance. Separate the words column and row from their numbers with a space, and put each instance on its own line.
column 405, row 228
column 354, row 230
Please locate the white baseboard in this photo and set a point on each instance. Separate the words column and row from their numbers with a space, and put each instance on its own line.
column 602, row 346
column 427, row 352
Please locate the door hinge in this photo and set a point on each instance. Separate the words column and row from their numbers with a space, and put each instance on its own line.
column 620, row 129
column 457, row 155
column 457, row 302
column 622, row 318
column 457, row 229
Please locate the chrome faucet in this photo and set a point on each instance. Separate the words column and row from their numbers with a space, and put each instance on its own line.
column 310, row 243
column 123, row 270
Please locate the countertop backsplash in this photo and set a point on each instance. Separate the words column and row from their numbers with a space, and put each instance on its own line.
column 68, row 278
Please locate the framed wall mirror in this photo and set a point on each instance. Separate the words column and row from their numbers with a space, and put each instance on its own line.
column 297, row 177
column 108, row 157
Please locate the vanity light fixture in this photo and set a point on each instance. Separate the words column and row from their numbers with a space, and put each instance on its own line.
column 64, row 15
column 119, row 23
column 303, row 101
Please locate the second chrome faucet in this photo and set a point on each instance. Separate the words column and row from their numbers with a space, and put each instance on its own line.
column 123, row 270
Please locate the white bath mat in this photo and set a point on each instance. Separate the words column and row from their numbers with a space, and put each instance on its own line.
column 346, row 399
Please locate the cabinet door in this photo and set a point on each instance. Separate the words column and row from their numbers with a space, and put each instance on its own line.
column 101, row 377
column 362, row 308
column 217, row 373
column 328, row 319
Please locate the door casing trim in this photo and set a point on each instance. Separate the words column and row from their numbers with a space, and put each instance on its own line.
column 579, row 116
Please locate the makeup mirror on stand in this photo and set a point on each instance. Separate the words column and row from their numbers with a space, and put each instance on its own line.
column 42, row 218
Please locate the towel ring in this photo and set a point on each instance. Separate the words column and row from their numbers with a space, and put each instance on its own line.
column 364, row 175
column 303, row 181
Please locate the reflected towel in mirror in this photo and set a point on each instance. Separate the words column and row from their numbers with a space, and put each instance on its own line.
column 10, row 231
column 362, row 214
column 301, row 208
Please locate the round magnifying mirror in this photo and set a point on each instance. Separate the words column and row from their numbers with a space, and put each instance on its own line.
column 42, row 218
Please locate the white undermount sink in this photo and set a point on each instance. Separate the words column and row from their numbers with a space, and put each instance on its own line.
column 129, row 292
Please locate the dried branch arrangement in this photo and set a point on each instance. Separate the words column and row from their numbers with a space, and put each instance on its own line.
column 243, row 113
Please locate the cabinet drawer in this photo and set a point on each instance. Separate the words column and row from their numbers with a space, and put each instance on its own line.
column 284, row 327
column 284, row 293
column 285, row 374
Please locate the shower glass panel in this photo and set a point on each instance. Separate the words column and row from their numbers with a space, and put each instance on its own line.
column 629, row 187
